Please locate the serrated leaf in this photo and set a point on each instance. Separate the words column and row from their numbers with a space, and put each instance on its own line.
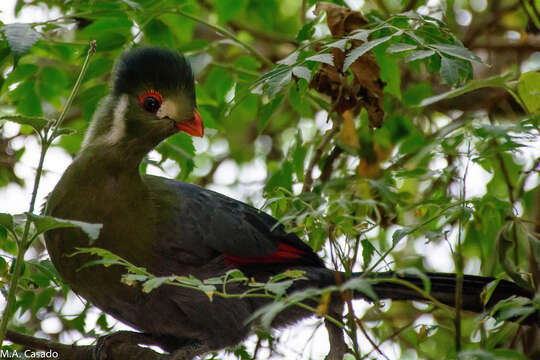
column 302, row 72
column 362, row 49
column 418, row 55
column 324, row 58
column 398, row 235
column 45, row 223
column 400, row 47
column 20, row 37
column 458, row 51
column 290, row 59
column 276, row 83
column 340, row 44
column 154, row 283
column 132, row 279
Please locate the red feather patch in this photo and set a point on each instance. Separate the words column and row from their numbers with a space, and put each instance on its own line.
column 284, row 254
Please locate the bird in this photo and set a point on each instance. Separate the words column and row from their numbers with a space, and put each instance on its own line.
column 171, row 227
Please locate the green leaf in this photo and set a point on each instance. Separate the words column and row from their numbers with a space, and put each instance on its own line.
column 340, row 44
column 38, row 123
column 360, row 284
column 43, row 299
column 51, row 84
column 367, row 252
column 180, row 149
column 278, row 288
column 450, row 71
column 21, row 72
column 46, row 223
column 529, row 91
column 418, row 55
column 400, row 47
column 154, row 283
column 65, row 131
column 266, row 111
column 457, row 51
column 399, row 234
column 299, row 157
column 298, row 101
column 323, row 58
column 247, row 62
column 390, row 72
column 362, row 49
column 229, row 9
column 102, row 323
column 281, row 178
column 6, row 221
column 157, row 32
column 276, row 82
column 497, row 81
column 289, row 59
column 20, row 37
column 28, row 103
column 306, row 32
column 302, row 72
column 416, row 93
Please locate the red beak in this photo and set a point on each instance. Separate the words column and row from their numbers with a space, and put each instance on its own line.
column 194, row 126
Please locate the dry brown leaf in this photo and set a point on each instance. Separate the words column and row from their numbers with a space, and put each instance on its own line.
column 366, row 90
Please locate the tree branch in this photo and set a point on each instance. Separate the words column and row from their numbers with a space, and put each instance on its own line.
column 122, row 351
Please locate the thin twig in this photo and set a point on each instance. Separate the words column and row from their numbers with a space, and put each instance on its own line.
column 74, row 92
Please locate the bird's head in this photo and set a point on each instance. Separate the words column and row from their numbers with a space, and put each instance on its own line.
column 152, row 98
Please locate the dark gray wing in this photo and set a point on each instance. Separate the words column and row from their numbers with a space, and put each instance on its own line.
column 206, row 222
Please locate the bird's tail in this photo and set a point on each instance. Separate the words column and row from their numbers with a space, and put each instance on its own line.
column 442, row 287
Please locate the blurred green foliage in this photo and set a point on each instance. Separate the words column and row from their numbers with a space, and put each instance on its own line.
column 364, row 196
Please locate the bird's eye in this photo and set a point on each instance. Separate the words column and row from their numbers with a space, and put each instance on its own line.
column 151, row 104
column 150, row 101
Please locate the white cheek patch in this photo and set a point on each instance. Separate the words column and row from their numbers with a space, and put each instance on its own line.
column 167, row 109
column 118, row 128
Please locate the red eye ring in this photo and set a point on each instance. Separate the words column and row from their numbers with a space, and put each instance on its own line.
column 150, row 96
